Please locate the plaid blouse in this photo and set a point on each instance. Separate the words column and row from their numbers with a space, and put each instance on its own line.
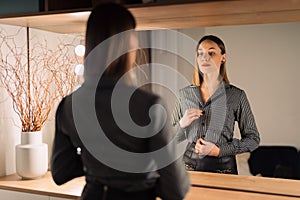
column 226, row 106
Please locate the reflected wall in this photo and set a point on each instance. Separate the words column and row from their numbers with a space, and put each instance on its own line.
column 264, row 61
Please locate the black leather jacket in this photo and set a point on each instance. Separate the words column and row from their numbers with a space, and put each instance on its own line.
column 171, row 182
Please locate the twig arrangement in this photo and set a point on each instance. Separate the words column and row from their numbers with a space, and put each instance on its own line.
column 36, row 77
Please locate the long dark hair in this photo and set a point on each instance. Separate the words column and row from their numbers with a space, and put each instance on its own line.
column 105, row 21
column 197, row 78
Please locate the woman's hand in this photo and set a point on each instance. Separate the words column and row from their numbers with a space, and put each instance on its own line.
column 203, row 148
column 189, row 116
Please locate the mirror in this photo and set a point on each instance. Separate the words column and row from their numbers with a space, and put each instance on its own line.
column 263, row 61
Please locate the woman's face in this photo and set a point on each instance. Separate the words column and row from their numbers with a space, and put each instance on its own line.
column 209, row 57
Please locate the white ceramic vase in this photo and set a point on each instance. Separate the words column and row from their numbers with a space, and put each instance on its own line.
column 31, row 156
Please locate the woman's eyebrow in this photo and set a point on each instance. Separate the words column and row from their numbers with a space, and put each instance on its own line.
column 213, row 48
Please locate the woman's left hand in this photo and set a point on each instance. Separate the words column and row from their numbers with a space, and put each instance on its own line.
column 203, row 148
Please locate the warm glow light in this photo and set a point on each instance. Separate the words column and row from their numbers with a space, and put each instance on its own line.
column 79, row 69
column 79, row 50
column 81, row 15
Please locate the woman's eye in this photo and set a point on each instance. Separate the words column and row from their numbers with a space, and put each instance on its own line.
column 200, row 54
column 211, row 53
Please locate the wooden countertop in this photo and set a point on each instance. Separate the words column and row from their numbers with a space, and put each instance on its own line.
column 199, row 193
column 208, row 186
column 263, row 185
column 43, row 186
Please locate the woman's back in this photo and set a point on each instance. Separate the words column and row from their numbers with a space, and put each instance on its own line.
column 113, row 133
column 129, row 141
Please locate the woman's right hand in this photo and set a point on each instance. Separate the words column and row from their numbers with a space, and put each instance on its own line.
column 189, row 116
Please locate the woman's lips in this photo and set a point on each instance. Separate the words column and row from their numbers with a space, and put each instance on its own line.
column 205, row 65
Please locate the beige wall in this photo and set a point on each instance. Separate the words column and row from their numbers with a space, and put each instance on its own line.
column 264, row 61
column 9, row 121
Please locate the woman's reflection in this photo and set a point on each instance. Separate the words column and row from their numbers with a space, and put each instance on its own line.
column 206, row 111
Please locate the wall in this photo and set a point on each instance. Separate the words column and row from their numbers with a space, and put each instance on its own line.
column 52, row 40
column 178, row 55
column 263, row 60
column 9, row 121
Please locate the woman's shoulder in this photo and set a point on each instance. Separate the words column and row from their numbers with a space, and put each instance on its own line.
column 145, row 93
column 235, row 91
column 146, row 96
column 234, row 88
column 188, row 88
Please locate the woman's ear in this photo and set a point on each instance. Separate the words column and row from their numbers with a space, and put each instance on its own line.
column 223, row 58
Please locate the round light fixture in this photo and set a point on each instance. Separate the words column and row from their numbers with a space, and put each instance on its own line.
column 80, row 50
column 79, row 69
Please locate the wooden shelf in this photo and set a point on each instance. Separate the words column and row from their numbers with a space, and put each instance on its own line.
column 209, row 186
column 189, row 15
column 218, row 13
column 43, row 186
column 196, row 193
column 252, row 184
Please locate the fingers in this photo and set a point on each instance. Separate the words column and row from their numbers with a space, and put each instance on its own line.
column 189, row 116
column 203, row 147
column 202, row 141
column 194, row 112
column 198, row 146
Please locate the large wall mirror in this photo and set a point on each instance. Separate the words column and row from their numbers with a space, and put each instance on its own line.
column 262, row 59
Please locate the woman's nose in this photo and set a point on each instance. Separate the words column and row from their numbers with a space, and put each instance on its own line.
column 205, row 56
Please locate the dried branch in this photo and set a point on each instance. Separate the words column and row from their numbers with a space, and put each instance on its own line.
column 35, row 92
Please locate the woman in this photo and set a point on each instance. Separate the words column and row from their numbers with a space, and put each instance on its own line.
column 206, row 111
column 114, row 157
